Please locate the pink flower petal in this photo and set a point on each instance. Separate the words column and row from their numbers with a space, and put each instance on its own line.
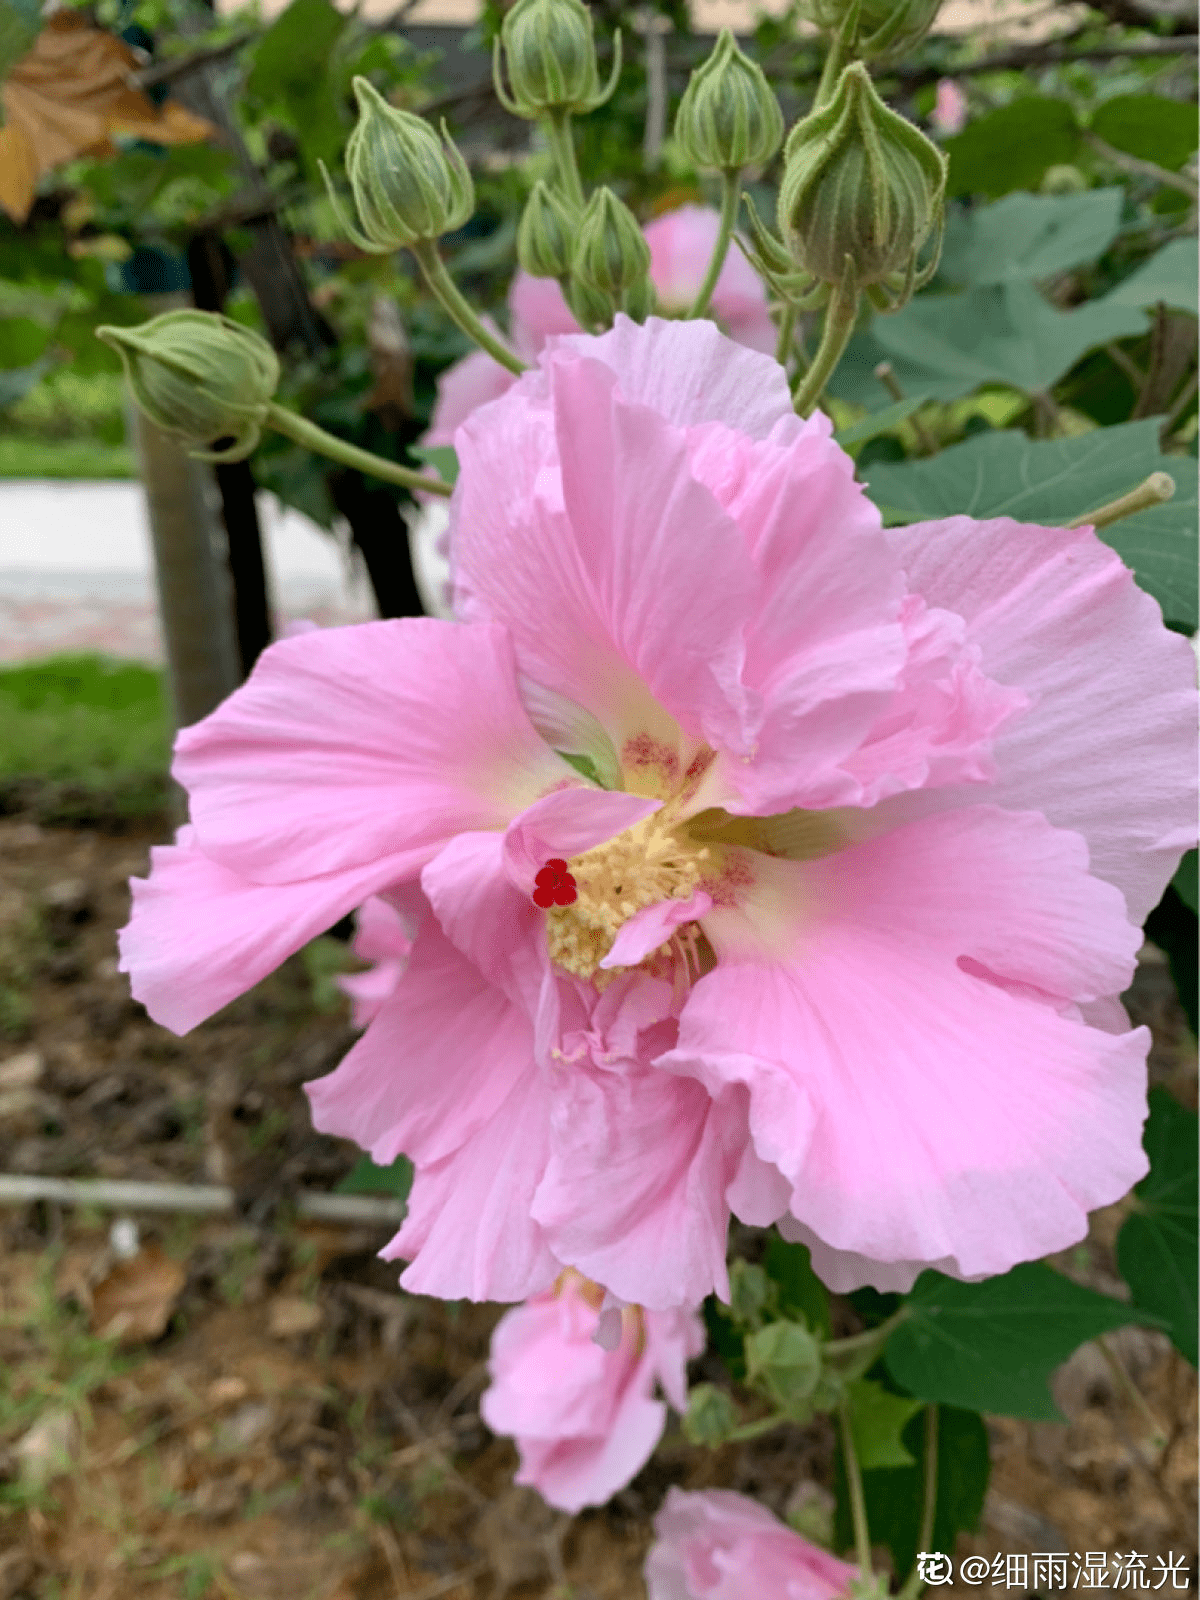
column 539, row 312
column 399, row 1091
column 566, row 824
column 468, row 384
column 1109, row 746
column 573, row 1473
column 909, row 1069
column 199, row 935
column 681, row 245
column 381, row 933
column 654, row 925
column 361, row 744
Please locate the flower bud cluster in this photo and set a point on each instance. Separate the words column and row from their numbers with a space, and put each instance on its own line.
column 547, row 233
column 862, row 191
column 550, row 53
column 611, row 263
column 729, row 117
column 199, row 377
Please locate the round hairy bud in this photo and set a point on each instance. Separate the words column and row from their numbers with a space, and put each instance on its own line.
column 862, row 188
column 877, row 30
column 729, row 117
column 612, row 259
column 711, row 1415
column 547, row 233
column 783, row 1360
column 409, row 185
column 751, row 1292
column 199, row 377
column 551, row 58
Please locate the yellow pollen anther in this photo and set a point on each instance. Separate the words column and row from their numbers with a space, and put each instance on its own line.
column 647, row 863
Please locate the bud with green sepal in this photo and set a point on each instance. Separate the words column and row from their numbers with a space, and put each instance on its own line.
column 199, row 377
column 729, row 117
column 752, row 1295
column 547, row 234
column 711, row 1417
column 861, row 185
column 783, row 1362
column 611, row 261
column 550, row 53
column 409, row 185
column 876, row 30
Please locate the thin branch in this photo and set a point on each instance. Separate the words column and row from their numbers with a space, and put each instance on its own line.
column 183, row 66
column 1038, row 55
column 1137, row 168
column 198, row 1199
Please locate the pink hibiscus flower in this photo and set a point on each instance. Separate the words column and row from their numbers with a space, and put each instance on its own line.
column 383, row 938
column 721, row 1546
column 860, row 826
column 583, row 1417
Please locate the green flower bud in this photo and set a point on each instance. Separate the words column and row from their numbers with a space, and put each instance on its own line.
column 1063, row 179
column 751, row 1292
column 199, row 377
column 784, row 1361
column 729, row 117
column 862, row 190
column 408, row 184
column 547, row 233
column 878, row 30
column 711, row 1415
column 612, row 259
column 551, row 57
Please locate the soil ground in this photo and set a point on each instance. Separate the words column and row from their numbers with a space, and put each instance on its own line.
column 302, row 1430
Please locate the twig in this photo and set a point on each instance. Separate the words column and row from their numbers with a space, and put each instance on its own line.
column 886, row 374
column 197, row 1199
column 1126, row 363
column 183, row 66
column 1037, row 55
column 1186, row 396
column 441, row 1586
column 1131, row 1391
column 1137, row 168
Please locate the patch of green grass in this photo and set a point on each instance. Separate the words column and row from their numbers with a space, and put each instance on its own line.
column 26, row 456
column 83, row 738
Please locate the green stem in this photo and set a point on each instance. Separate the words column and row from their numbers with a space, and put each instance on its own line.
column 858, row 1504
column 562, row 149
column 349, row 455
column 753, row 1430
column 787, row 335
column 870, row 1339
column 914, row 1583
column 1155, row 489
column 840, row 315
column 731, row 191
column 443, row 285
column 831, row 71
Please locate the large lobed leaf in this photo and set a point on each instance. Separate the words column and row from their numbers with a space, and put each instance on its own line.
column 1157, row 1245
column 1025, row 238
column 992, row 1346
column 1006, row 474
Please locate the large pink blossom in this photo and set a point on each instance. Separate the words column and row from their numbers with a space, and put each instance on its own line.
column 584, row 1417
column 721, row 1546
column 861, row 825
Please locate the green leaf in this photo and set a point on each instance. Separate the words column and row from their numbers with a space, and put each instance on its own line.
column 441, row 457
column 1148, row 126
column 295, row 49
column 1027, row 237
column 1010, row 148
column 948, row 345
column 1157, row 1245
column 1169, row 275
column 366, row 1178
column 895, row 1496
column 884, row 421
column 801, row 1292
column 1005, row 474
column 22, row 341
column 991, row 1346
column 1184, row 881
column 877, row 1419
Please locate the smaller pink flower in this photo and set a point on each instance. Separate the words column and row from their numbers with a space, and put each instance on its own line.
column 384, row 938
column 681, row 245
column 583, row 1417
column 950, row 108
column 721, row 1546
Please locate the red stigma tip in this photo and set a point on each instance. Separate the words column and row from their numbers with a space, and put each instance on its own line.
column 557, row 864
column 554, row 885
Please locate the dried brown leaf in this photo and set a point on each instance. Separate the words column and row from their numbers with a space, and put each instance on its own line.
column 134, row 1301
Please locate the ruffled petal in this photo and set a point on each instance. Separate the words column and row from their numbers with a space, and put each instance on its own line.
column 649, row 928
column 902, row 1016
column 573, row 1473
column 199, row 935
column 400, row 1090
column 1109, row 745
column 349, row 745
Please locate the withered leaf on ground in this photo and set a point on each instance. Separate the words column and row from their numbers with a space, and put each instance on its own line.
column 134, row 1302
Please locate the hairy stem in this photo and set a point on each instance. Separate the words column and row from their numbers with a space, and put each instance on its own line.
column 349, row 455
column 444, row 287
column 562, row 149
column 840, row 315
column 858, row 1504
column 787, row 335
column 731, row 191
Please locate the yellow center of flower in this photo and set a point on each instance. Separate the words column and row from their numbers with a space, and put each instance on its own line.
column 654, row 860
